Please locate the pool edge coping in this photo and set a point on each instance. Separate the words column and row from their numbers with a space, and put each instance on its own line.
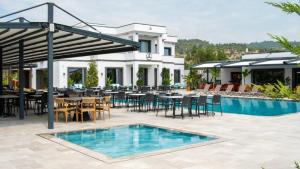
column 106, row 159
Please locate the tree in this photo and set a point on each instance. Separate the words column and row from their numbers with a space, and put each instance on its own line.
column 92, row 75
column 165, row 76
column 140, row 75
column 290, row 8
column 245, row 73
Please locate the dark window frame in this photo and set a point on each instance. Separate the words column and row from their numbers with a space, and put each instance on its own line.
column 149, row 46
column 169, row 53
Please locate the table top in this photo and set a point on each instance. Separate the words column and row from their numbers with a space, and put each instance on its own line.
column 137, row 94
column 8, row 96
column 172, row 97
column 111, row 92
column 75, row 99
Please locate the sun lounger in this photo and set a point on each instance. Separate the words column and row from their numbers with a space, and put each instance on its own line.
column 228, row 90
column 205, row 89
column 216, row 90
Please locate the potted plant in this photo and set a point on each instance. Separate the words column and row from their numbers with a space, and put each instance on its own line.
column 188, row 80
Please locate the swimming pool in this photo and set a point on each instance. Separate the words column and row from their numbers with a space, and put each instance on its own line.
column 131, row 139
column 258, row 107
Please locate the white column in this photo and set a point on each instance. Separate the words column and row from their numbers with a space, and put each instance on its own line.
column 135, row 71
column 125, row 75
column 159, row 70
column 160, row 46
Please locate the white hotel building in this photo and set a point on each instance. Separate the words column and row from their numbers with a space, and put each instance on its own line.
column 157, row 51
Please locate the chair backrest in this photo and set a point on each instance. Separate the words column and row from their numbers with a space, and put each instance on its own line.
column 186, row 101
column 242, row 88
column 106, row 99
column 60, row 103
column 216, row 99
column 218, row 88
column 202, row 100
column 121, row 94
column 89, row 92
column 229, row 88
column 149, row 97
column 88, row 102
column 206, row 87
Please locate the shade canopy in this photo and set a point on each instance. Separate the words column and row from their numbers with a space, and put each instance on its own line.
column 208, row 65
column 270, row 62
column 239, row 64
column 67, row 42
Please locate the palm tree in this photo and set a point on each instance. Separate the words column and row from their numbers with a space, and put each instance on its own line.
column 245, row 73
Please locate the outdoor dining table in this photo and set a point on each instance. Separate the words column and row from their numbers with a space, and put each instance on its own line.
column 138, row 96
column 112, row 93
column 6, row 99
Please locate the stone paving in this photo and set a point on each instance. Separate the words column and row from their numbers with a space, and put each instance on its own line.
column 252, row 142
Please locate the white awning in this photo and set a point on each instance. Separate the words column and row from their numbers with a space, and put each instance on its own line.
column 271, row 62
column 239, row 64
column 208, row 65
column 294, row 62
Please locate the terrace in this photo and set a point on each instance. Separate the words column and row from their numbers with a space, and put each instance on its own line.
column 224, row 115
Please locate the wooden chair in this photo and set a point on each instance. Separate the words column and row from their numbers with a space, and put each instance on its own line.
column 62, row 107
column 106, row 105
column 88, row 104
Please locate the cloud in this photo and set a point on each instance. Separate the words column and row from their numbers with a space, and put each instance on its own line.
column 213, row 20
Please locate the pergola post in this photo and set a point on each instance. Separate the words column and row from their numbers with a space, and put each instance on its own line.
column 50, row 66
column 1, row 71
column 21, row 80
column 1, row 78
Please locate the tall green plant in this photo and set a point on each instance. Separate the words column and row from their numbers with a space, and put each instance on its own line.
column 92, row 75
column 290, row 8
column 140, row 75
column 192, row 80
column 245, row 73
column 165, row 76
column 215, row 72
column 108, row 82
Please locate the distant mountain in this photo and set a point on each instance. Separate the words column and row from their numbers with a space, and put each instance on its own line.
column 183, row 46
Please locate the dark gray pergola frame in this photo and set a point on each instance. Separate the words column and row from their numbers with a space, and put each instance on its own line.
column 37, row 53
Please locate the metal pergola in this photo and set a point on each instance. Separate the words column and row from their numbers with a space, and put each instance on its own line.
column 27, row 42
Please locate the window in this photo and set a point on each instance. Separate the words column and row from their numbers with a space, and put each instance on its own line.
column 167, row 51
column 145, row 46
column 76, row 77
column 176, row 76
column 264, row 76
column 115, row 74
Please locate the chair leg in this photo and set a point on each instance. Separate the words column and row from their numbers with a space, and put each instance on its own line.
column 76, row 116
column 66, row 117
column 56, row 116
column 81, row 117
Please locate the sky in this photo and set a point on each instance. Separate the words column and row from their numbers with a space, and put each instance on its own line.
column 217, row 21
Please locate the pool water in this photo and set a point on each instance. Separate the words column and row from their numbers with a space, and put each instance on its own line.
column 131, row 139
column 258, row 107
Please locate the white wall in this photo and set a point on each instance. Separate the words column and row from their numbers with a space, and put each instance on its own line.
column 225, row 74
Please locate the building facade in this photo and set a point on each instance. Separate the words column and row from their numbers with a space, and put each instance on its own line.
column 263, row 68
column 157, row 51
